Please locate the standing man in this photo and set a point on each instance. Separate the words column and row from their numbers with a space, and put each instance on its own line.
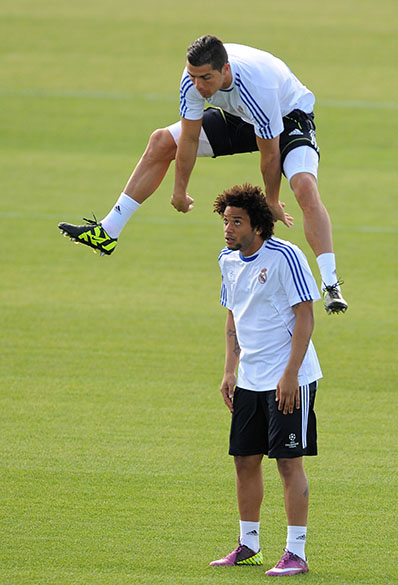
column 268, row 289
column 258, row 104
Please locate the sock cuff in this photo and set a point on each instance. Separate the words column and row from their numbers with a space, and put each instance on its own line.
column 247, row 525
column 296, row 533
column 325, row 257
column 128, row 201
column 327, row 267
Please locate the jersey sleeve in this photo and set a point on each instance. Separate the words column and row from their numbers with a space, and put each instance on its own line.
column 267, row 116
column 225, row 295
column 296, row 276
column 192, row 104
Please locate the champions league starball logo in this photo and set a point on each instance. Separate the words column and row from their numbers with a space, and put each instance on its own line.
column 293, row 443
column 262, row 277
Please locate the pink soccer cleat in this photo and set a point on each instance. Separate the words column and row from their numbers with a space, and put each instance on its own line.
column 290, row 564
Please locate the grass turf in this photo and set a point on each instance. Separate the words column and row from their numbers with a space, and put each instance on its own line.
column 113, row 434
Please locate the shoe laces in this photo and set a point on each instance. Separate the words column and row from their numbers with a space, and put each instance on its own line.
column 91, row 221
column 332, row 288
column 287, row 556
column 281, row 563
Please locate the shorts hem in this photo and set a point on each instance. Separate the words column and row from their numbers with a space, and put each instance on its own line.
column 297, row 172
column 292, row 455
column 247, row 454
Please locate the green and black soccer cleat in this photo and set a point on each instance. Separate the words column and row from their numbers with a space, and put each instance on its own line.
column 92, row 234
column 333, row 300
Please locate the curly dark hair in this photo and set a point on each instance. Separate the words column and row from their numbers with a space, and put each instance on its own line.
column 251, row 199
column 207, row 50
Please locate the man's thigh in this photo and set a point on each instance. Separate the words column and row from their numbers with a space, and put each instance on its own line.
column 249, row 425
column 222, row 134
column 204, row 146
column 228, row 134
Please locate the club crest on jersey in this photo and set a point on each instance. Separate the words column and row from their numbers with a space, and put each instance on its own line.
column 262, row 277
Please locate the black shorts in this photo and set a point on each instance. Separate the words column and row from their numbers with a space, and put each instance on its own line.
column 258, row 427
column 229, row 134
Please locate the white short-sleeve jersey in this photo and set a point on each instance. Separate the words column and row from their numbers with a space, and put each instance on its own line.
column 260, row 291
column 263, row 90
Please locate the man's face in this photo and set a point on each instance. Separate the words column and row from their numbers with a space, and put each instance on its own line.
column 238, row 232
column 207, row 80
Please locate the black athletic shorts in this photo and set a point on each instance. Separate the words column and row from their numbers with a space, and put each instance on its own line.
column 229, row 134
column 258, row 427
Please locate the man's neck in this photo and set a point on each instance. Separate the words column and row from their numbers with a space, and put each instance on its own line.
column 228, row 80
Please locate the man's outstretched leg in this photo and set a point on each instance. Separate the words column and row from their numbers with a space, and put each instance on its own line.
column 148, row 174
column 295, row 488
column 318, row 231
column 249, row 489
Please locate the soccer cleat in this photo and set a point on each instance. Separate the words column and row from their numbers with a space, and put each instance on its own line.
column 290, row 564
column 92, row 234
column 333, row 300
column 242, row 555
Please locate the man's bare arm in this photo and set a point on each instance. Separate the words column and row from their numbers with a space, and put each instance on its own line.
column 232, row 353
column 287, row 391
column 271, row 170
column 185, row 160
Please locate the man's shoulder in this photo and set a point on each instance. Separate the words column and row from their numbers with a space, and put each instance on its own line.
column 282, row 247
column 291, row 261
column 225, row 252
column 250, row 59
column 236, row 49
column 225, row 255
column 285, row 254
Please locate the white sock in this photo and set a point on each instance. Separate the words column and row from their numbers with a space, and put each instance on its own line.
column 117, row 218
column 250, row 535
column 296, row 537
column 327, row 268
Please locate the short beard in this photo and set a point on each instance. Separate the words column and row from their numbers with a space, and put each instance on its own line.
column 235, row 247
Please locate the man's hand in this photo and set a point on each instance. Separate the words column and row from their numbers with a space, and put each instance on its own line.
column 227, row 390
column 288, row 393
column 182, row 204
column 277, row 210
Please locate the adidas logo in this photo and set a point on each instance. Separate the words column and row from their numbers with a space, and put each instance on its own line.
column 295, row 132
column 117, row 209
column 302, row 537
column 253, row 533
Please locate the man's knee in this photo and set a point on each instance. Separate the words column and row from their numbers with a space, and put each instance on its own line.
column 248, row 464
column 305, row 189
column 288, row 467
column 161, row 145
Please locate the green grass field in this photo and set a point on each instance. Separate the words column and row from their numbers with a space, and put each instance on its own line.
column 113, row 434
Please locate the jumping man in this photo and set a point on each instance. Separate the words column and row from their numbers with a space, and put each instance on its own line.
column 256, row 104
